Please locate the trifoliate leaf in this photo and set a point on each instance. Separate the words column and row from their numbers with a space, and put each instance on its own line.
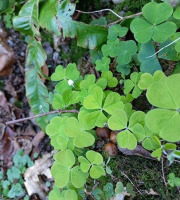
column 107, row 48
column 116, row 31
column 131, row 85
column 112, row 103
column 102, row 82
column 125, row 50
column 139, row 132
column 111, row 81
column 103, row 65
column 154, row 26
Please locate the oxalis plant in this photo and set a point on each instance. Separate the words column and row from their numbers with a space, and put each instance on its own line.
column 128, row 69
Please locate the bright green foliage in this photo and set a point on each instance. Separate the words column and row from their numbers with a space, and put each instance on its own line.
column 107, row 49
column 111, row 81
column 116, row 31
column 93, row 162
column 154, row 25
column 56, row 131
column 103, row 65
column 147, row 79
column 66, row 76
column 94, row 101
column 132, row 85
column 62, row 101
column 124, row 51
column 64, row 162
column 77, row 130
column 173, row 180
column 176, row 14
column 64, row 195
column 27, row 20
column 129, row 133
column 148, row 64
column 165, row 120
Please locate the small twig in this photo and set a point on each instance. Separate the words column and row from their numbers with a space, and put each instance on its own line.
column 131, row 182
column 164, row 47
column 106, row 9
column 162, row 170
column 41, row 115
column 124, row 18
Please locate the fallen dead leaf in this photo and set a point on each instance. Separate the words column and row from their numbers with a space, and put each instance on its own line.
column 33, row 182
column 6, row 56
column 37, row 139
column 138, row 151
column 151, row 192
column 7, row 146
column 45, row 71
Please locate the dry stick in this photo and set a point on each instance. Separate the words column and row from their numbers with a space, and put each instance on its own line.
column 41, row 115
column 131, row 182
column 124, row 18
column 162, row 169
column 106, row 9
column 164, row 47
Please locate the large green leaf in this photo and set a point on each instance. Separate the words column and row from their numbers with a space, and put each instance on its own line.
column 88, row 36
column 47, row 17
column 27, row 20
column 154, row 25
column 36, row 91
column 165, row 119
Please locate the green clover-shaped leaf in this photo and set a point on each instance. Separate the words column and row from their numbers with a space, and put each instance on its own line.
column 147, row 79
column 165, row 119
column 130, row 132
column 103, row 65
column 93, row 162
column 66, row 76
column 117, row 31
column 132, row 85
column 125, row 50
column 111, row 81
column 55, row 194
column 154, row 25
column 107, row 48
column 67, row 98
column 97, row 116
column 56, row 131
column 64, row 162
column 148, row 64
column 77, row 130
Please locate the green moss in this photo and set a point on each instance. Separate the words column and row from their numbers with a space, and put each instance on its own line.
column 145, row 174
